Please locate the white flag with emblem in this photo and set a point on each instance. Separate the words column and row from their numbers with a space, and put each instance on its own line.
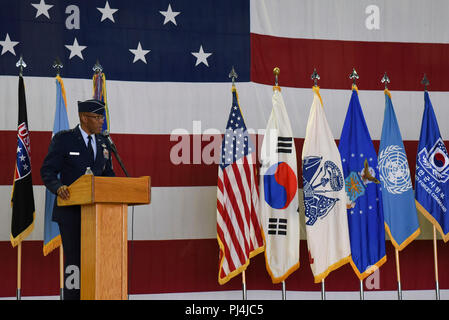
column 279, row 193
column 324, row 196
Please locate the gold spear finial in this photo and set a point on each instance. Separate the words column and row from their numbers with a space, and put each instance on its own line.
column 276, row 72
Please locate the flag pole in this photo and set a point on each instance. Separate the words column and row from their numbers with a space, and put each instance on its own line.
column 323, row 290
column 19, row 271
column 435, row 258
column 20, row 64
column 233, row 75
column 57, row 64
column 61, row 273
column 398, row 273
column 426, row 82
column 315, row 77
column 354, row 76
column 362, row 294
column 244, row 285
column 276, row 72
column 386, row 80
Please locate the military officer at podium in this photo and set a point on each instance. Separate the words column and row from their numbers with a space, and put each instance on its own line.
column 70, row 153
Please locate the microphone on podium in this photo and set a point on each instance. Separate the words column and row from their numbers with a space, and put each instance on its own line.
column 105, row 134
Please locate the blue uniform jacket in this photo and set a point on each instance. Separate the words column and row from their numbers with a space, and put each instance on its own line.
column 68, row 157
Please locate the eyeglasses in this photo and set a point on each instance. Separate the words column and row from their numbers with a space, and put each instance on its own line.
column 98, row 118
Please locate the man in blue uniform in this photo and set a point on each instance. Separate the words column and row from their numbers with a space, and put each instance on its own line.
column 70, row 153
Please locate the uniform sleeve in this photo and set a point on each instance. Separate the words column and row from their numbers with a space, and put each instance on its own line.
column 52, row 164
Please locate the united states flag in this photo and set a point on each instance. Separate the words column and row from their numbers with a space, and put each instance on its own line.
column 238, row 224
column 166, row 64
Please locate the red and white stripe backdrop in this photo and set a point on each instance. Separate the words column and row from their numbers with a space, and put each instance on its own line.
column 176, row 248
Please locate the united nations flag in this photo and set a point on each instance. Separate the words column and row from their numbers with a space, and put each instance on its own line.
column 401, row 220
column 432, row 172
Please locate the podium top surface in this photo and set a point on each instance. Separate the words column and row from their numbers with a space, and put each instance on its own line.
column 89, row 189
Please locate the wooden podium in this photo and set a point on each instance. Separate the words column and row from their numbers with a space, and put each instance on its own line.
column 104, row 231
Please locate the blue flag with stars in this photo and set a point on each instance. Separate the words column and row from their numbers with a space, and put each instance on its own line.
column 363, row 189
column 401, row 220
column 432, row 172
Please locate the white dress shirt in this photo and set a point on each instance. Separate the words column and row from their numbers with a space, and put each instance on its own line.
column 86, row 141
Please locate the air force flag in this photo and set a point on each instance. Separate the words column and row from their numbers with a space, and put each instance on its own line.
column 401, row 220
column 324, row 196
column 279, row 193
column 432, row 172
column 364, row 207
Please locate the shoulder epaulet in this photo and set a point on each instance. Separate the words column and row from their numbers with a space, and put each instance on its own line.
column 64, row 132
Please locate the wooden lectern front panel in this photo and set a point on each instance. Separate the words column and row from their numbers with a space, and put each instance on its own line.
column 104, row 231
column 104, row 248
column 111, row 251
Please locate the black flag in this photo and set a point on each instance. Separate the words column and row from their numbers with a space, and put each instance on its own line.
column 22, row 200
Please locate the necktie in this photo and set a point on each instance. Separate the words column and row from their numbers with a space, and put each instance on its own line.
column 90, row 149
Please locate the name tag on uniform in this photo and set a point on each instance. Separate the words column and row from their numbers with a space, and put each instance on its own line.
column 74, row 153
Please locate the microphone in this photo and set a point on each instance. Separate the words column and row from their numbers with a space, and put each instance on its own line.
column 105, row 134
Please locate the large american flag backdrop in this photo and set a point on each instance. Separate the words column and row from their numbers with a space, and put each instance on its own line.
column 166, row 64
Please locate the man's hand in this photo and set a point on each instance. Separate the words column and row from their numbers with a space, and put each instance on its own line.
column 63, row 192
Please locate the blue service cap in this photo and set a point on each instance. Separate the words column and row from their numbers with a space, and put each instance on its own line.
column 92, row 105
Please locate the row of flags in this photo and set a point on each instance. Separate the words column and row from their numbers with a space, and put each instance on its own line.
column 351, row 194
column 22, row 198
